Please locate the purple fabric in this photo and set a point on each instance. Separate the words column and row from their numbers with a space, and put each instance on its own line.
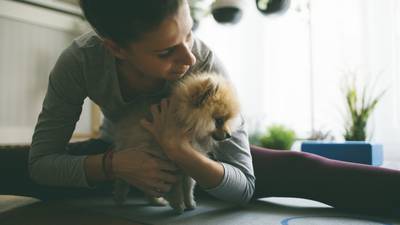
column 343, row 185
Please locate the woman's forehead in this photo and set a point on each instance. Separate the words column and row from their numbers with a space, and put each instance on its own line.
column 171, row 31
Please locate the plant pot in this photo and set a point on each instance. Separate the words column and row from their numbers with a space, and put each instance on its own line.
column 349, row 151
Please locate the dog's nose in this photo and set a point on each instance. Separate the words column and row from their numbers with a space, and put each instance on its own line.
column 221, row 135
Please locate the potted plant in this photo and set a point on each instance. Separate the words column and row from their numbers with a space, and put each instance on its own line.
column 360, row 104
column 276, row 137
column 359, row 110
column 198, row 10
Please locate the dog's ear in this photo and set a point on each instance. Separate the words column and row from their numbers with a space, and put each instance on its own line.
column 206, row 89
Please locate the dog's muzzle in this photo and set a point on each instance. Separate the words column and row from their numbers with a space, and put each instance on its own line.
column 220, row 135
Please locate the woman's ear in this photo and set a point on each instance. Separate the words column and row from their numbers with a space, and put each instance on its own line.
column 114, row 48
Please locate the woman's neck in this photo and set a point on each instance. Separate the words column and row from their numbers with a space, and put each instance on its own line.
column 133, row 82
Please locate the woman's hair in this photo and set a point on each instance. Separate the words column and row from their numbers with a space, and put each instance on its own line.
column 124, row 21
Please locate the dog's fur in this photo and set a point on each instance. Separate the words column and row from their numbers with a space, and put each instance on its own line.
column 205, row 103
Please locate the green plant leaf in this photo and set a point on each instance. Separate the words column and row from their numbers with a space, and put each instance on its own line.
column 278, row 137
column 359, row 111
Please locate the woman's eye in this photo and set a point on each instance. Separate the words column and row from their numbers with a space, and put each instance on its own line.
column 165, row 53
column 168, row 52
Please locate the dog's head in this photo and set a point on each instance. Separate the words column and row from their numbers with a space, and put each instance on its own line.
column 207, row 104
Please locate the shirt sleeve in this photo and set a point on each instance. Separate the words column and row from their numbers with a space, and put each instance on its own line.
column 238, row 182
column 49, row 164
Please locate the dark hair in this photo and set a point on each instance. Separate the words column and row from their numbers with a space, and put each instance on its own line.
column 124, row 21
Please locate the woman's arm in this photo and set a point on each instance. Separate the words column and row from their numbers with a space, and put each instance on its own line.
column 207, row 172
column 148, row 173
column 49, row 163
column 94, row 170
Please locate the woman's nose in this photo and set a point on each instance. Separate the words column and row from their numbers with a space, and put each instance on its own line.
column 186, row 56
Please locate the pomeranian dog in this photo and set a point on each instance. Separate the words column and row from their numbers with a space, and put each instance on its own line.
column 205, row 103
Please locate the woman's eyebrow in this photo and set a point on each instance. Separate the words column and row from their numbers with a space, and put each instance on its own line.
column 165, row 49
column 172, row 47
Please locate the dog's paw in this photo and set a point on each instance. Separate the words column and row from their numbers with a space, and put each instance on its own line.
column 190, row 205
column 158, row 201
column 178, row 208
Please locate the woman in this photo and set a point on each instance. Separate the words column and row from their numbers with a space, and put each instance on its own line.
column 138, row 50
column 143, row 47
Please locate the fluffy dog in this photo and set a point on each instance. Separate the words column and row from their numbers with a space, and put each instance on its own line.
column 205, row 103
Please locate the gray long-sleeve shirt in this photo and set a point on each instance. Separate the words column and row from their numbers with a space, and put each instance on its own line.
column 87, row 69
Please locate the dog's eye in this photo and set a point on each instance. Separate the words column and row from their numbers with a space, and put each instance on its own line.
column 219, row 122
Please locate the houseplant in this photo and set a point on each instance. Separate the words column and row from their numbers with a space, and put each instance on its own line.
column 276, row 137
column 359, row 108
column 360, row 103
column 198, row 10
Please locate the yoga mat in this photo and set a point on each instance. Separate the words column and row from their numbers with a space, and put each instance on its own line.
column 267, row 211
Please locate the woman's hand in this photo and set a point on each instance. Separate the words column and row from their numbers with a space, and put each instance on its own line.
column 169, row 136
column 175, row 142
column 149, row 173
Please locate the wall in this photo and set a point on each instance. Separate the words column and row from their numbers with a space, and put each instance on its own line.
column 290, row 69
column 31, row 40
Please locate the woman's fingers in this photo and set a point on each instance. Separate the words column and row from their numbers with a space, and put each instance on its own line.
column 147, row 125
column 164, row 105
column 162, row 187
column 154, row 187
column 168, row 177
column 164, row 169
column 157, row 188
column 155, row 110
column 167, row 165
column 160, row 116
column 153, row 192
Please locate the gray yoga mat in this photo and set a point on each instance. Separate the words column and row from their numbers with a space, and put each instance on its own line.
column 268, row 211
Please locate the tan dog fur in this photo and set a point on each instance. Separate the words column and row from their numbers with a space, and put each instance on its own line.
column 205, row 103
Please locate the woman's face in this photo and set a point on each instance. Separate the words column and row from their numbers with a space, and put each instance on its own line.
column 164, row 53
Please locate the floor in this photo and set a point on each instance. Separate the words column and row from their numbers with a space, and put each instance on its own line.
column 20, row 210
